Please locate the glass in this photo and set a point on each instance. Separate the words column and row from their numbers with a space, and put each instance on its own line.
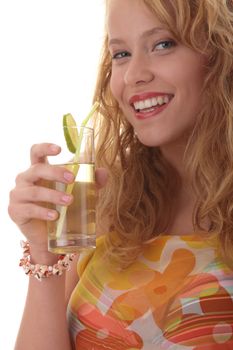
column 74, row 230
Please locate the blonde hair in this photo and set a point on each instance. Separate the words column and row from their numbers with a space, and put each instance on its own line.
column 138, row 199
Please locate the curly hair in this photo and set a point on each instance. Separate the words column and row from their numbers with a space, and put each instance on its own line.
column 138, row 200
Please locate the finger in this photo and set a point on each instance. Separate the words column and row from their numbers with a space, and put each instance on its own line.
column 22, row 214
column 101, row 175
column 44, row 172
column 39, row 152
column 40, row 194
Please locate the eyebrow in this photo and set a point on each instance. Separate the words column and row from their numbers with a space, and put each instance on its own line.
column 144, row 35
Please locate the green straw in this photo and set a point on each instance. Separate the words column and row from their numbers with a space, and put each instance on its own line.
column 70, row 187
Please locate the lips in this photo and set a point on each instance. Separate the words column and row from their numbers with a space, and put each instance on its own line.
column 148, row 95
column 149, row 104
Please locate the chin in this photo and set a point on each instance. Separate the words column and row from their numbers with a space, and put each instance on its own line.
column 147, row 136
column 146, row 141
column 156, row 137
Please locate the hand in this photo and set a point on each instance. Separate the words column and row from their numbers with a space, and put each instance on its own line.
column 27, row 205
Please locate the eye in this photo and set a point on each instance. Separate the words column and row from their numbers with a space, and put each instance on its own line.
column 164, row 45
column 120, row 55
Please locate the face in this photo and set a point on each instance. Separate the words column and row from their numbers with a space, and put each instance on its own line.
column 156, row 80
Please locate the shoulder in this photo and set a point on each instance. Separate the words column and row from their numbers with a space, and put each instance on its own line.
column 86, row 256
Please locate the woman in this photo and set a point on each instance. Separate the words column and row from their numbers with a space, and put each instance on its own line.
column 161, row 276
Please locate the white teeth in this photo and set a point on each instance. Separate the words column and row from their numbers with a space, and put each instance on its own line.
column 148, row 103
column 151, row 102
column 141, row 105
column 160, row 100
column 154, row 101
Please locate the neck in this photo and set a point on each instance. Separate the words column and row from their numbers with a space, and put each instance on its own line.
column 184, row 199
column 174, row 154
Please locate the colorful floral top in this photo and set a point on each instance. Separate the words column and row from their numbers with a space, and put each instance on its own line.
column 178, row 295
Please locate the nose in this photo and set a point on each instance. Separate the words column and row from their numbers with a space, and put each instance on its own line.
column 138, row 71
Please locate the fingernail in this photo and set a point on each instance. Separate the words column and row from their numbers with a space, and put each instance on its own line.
column 66, row 198
column 54, row 148
column 51, row 215
column 68, row 176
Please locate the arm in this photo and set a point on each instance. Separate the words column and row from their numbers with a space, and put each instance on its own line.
column 43, row 324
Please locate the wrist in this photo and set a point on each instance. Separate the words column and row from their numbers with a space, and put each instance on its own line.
column 46, row 269
column 41, row 255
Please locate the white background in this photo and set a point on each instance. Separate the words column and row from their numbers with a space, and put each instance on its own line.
column 49, row 52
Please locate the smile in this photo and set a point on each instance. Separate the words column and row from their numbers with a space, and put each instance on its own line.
column 150, row 104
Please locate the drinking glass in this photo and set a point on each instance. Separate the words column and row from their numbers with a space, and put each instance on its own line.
column 74, row 230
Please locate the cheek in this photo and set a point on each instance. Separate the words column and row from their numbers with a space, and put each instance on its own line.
column 188, row 83
column 192, row 74
column 184, row 71
column 116, row 85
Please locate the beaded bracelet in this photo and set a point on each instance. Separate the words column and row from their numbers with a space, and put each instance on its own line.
column 43, row 271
